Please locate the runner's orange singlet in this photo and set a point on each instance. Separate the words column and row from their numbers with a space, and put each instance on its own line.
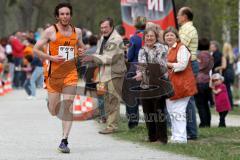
column 65, row 73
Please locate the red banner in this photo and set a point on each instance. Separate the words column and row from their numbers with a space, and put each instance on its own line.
column 158, row 11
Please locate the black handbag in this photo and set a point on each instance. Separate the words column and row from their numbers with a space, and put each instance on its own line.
column 157, row 77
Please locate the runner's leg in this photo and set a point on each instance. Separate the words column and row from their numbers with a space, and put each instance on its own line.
column 53, row 103
column 68, row 98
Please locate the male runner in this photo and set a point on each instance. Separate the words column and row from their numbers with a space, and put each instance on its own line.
column 65, row 44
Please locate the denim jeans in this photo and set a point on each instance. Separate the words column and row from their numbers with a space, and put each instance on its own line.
column 11, row 70
column 17, row 79
column 27, row 86
column 100, row 100
column 37, row 73
column 191, row 119
column 191, row 109
column 40, row 81
column 132, row 113
column 195, row 68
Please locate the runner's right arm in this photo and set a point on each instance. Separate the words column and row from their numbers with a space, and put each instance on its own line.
column 45, row 38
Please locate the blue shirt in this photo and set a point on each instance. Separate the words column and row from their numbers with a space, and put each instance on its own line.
column 135, row 46
column 36, row 62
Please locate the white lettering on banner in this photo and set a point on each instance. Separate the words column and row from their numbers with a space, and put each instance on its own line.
column 156, row 5
column 66, row 52
column 132, row 1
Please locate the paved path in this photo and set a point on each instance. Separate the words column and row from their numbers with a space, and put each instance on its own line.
column 28, row 132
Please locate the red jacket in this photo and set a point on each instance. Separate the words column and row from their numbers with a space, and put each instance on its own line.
column 17, row 48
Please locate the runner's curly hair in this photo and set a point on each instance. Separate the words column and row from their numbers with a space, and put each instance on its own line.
column 61, row 5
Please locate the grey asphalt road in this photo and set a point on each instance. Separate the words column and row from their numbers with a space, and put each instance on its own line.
column 28, row 132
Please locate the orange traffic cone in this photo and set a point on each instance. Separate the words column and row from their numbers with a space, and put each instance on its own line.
column 87, row 108
column 77, row 108
column 9, row 79
column 8, row 85
column 89, row 103
column 82, row 109
column 1, row 88
column 5, row 87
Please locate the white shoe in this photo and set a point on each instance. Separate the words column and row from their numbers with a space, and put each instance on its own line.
column 31, row 98
column 177, row 142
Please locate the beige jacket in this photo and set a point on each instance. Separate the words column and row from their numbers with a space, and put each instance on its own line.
column 112, row 62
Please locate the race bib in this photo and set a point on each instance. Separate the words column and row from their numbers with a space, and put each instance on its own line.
column 66, row 52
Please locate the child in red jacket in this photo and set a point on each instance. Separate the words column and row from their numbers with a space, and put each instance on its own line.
column 221, row 97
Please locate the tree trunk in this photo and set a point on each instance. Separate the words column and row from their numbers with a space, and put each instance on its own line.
column 2, row 21
column 226, row 35
column 226, row 25
column 238, row 25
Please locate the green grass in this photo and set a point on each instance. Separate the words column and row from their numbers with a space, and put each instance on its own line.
column 236, row 93
column 236, row 96
column 236, row 111
column 213, row 143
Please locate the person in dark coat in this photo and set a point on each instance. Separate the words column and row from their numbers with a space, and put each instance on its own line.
column 132, row 58
column 204, row 91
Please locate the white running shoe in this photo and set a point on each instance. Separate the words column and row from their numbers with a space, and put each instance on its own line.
column 31, row 98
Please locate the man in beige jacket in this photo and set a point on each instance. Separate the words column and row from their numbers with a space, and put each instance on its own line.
column 110, row 57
